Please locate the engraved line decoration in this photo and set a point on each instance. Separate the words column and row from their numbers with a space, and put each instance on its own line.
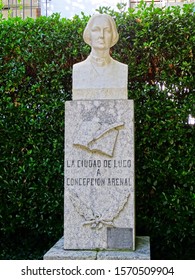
column 95, row 219
column 97, row 137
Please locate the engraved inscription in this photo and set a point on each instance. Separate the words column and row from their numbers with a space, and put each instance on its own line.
column 98, row 177
column 98, row 182
column 84, row 163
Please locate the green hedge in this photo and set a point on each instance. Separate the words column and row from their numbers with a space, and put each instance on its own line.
column 36, row 58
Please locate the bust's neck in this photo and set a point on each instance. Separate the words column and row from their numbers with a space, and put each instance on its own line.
column 100, row 59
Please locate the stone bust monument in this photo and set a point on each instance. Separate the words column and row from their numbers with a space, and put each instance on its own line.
column 100, row 76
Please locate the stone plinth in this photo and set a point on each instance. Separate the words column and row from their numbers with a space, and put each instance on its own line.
column 99, row 175
column 142, row 252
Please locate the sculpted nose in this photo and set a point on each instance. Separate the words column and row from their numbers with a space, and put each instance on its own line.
column 102, row 33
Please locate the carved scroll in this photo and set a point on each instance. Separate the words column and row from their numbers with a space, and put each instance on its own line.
column 97, row 137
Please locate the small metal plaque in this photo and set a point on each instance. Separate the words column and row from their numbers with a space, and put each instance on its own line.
column 120, row 238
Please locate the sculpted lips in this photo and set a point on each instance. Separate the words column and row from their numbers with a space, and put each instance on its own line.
column 100, row 41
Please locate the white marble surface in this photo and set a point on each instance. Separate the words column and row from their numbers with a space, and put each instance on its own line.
column 100, row 76
column 99, row 172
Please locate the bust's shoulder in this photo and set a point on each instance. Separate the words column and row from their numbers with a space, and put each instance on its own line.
column 119, row 69
column 119, row 64
column 81, row 65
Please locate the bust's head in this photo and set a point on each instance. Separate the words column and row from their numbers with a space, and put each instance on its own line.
column 101, row 32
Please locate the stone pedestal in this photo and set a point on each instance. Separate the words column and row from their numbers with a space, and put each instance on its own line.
column 99, row 203
column 142, row 252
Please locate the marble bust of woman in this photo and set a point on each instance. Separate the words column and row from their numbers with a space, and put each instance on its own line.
column 100, row 76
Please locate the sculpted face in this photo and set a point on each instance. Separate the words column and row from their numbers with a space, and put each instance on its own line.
column 101, row 34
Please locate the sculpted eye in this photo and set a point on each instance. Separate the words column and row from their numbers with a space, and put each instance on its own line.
column 108, row 30
column 94, row 29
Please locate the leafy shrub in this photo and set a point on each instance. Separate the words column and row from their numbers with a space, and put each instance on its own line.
column 35, row 80
column 36, row 58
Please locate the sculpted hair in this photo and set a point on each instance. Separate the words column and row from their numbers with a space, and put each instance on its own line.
column 86, row 33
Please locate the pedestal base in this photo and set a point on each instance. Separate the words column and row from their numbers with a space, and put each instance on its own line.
column 142, row 252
